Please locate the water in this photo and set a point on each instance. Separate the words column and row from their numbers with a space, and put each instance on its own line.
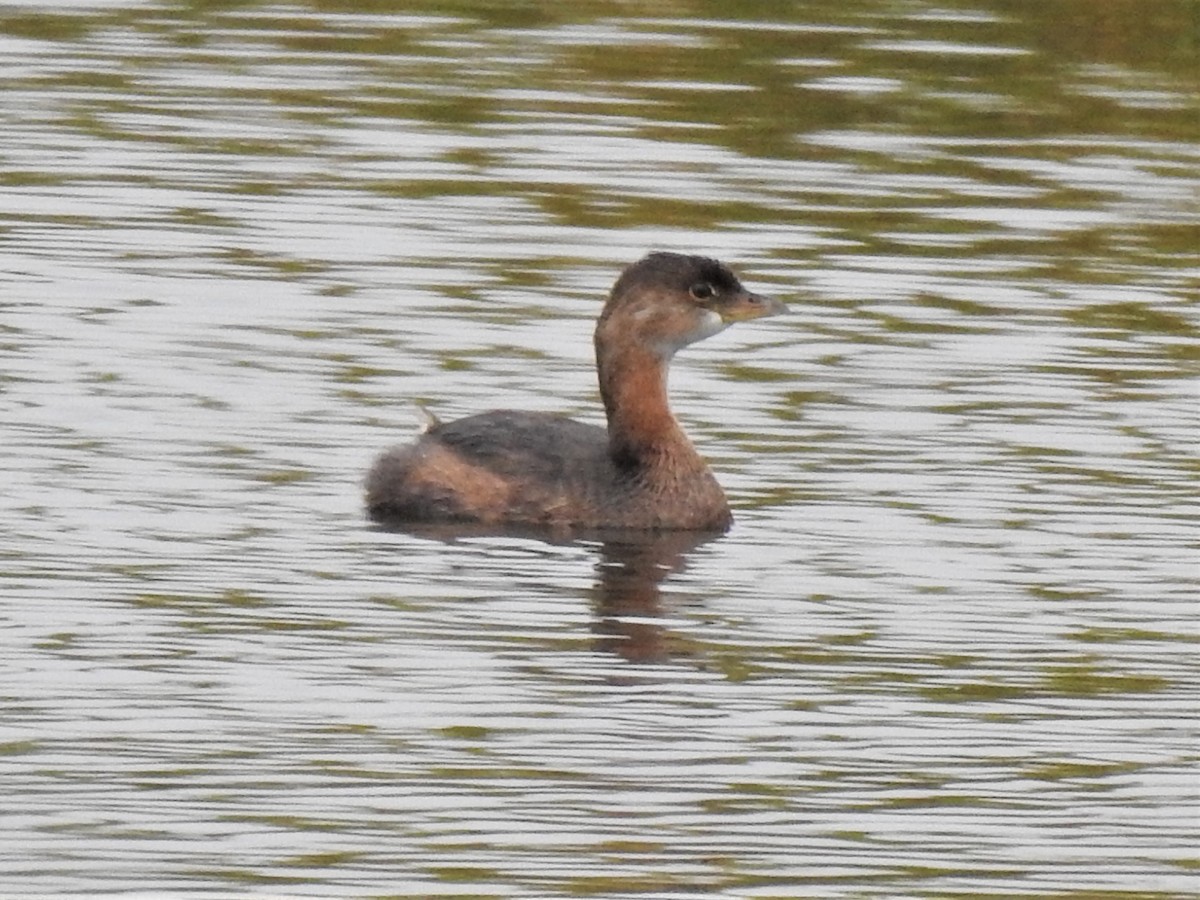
column 948, row 649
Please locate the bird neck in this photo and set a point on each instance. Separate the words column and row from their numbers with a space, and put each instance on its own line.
column 641, row 429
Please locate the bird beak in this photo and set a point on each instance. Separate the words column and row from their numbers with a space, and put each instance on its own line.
column 751, row 306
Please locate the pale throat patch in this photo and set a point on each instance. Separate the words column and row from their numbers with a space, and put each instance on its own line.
column 710, row 323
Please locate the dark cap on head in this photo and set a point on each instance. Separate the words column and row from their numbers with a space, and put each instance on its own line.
column 678, row 271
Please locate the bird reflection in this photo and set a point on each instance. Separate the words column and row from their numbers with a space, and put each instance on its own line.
column 626, row 597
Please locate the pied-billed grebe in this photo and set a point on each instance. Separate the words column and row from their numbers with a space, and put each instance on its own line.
column 642, row 472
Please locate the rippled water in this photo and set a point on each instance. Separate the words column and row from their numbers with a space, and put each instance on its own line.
column 949, row 648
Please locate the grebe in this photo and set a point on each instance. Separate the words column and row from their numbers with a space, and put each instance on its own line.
column 538, row 469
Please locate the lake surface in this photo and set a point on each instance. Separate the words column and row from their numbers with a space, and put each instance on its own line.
column 950, row 647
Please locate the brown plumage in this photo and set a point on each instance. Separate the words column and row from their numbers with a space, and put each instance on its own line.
column 537, row 469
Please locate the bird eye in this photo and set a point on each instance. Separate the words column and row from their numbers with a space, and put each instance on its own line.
column 702, row 291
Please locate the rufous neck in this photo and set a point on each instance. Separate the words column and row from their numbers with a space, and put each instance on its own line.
column 633, row 385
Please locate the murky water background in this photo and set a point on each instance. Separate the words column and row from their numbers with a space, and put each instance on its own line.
column 948, row 650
